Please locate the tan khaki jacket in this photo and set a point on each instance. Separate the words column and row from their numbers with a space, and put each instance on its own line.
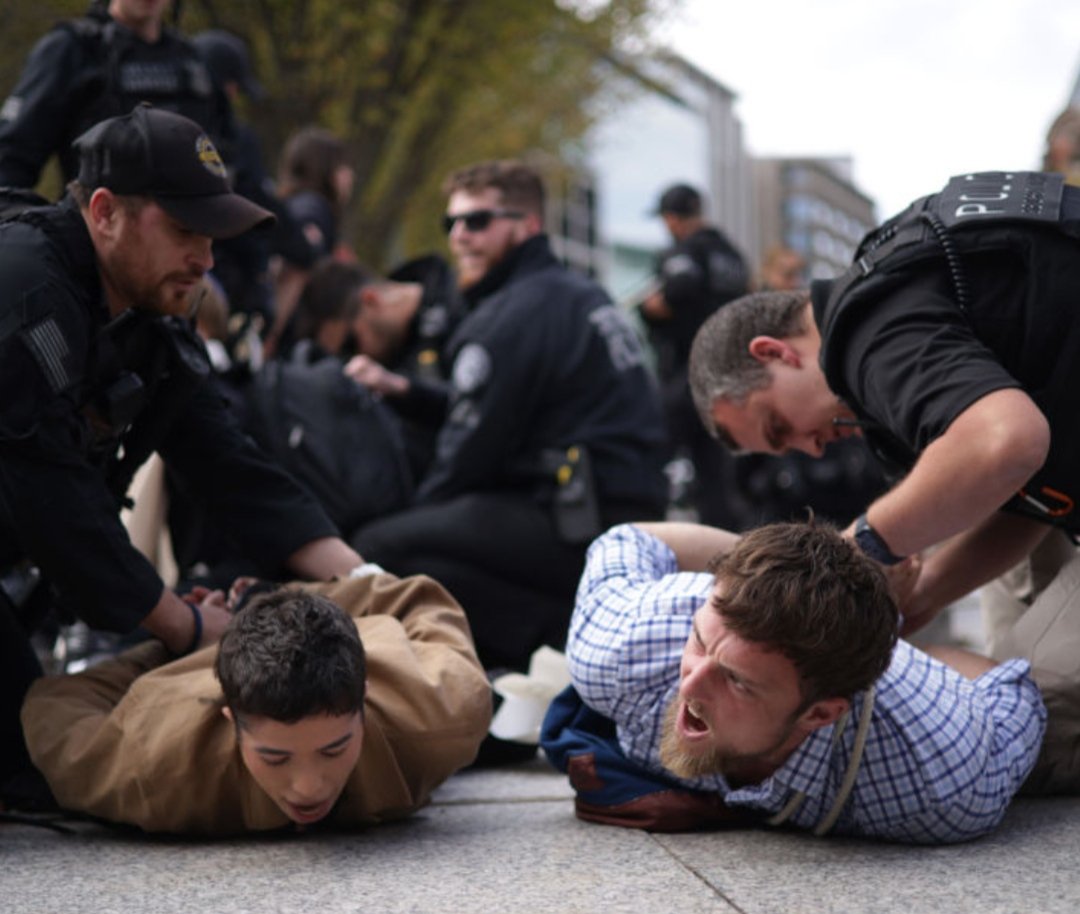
column 142, row 741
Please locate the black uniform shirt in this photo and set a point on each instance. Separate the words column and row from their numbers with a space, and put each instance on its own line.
column 59, row 504
column 697, row 275
column 909, row 361
column 545, row 360
column 423, row 356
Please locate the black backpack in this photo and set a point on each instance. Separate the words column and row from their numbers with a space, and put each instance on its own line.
column 333, row 436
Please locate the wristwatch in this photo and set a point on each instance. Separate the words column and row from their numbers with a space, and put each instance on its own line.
column 871, row 543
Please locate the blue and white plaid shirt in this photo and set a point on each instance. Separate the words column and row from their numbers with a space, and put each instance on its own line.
column 944, row 755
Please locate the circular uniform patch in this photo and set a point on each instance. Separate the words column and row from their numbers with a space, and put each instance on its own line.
column 209, row 157
column 472, row 368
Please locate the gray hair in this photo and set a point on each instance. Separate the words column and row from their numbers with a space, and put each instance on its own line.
column 721, row 366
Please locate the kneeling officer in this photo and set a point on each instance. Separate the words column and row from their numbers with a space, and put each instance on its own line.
column 99, row 368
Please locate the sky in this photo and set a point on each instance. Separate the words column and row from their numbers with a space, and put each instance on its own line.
column 913, row 90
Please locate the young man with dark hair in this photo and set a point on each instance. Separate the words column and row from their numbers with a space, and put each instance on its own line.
column 317, row 714
column 775, row 690
column 292, row 673
column 401, row 331
column 297, row 655
column 326, row 311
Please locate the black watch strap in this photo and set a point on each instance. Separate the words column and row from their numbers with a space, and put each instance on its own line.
column 871, row 543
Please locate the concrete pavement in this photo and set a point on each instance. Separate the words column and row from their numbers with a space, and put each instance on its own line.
column 507, row 840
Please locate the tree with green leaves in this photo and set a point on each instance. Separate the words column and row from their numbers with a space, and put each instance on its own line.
column 416, row 88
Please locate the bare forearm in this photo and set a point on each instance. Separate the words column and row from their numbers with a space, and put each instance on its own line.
column 365, row 370
column 323, row 559
column 172, row 622
column 971, row 559
column 966, row 475
column 694, row 545
column 175, row 623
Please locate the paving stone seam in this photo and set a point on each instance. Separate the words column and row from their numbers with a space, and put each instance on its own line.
column 693, row 871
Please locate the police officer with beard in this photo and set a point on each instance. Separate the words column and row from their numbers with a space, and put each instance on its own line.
column 553, row 430
column 99, row 368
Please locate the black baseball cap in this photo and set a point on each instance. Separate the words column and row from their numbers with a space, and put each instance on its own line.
column 679, row 200
column 156, row 153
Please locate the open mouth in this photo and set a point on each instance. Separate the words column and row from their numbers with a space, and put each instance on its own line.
column 691, row 725
column 309, row 813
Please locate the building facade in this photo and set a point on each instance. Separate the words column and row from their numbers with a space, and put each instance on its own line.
column 811, row 206
column 677, row 126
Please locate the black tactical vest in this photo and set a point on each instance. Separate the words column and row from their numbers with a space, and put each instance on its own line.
column 120, row 70
column 975, row 212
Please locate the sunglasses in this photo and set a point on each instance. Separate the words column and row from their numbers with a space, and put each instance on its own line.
column 479, row 219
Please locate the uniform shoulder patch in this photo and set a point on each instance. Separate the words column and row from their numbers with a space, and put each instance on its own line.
column 50, row 350
column 680, row 264
column 622, row 342
column 472, row 368
column 12, row 108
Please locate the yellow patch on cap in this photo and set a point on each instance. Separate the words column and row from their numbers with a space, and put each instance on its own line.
column 209, row 157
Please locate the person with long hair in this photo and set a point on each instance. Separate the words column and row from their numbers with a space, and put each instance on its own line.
column 315, row 181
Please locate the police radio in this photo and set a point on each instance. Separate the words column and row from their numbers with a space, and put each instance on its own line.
column 577, row 515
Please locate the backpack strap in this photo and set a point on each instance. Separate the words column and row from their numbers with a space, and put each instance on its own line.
column 796, row 801
column 932, row 225
column 16, row 200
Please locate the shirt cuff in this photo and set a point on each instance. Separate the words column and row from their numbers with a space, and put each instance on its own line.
column 366, row 570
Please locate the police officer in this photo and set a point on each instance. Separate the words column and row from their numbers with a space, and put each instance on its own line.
column 547, row 377
column 242, row 264
column 99, row 367
column 949, row 345
column 837, row 486
column 98, row 66
column 952, row 345
column 700, row 272
column 103, row 64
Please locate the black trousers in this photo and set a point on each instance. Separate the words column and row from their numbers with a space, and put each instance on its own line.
column 499, row 555
column 18, row 668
